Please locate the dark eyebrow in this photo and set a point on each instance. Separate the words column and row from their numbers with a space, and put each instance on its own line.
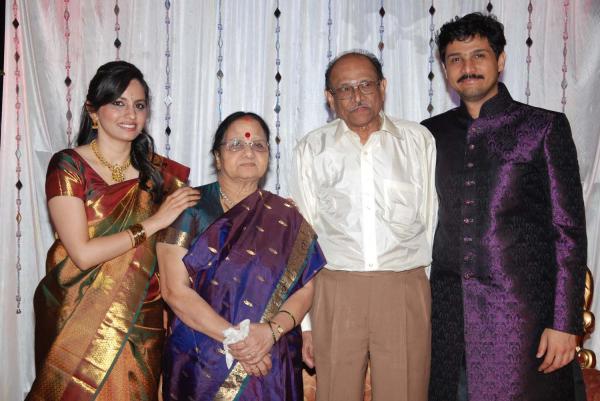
column 479, row 50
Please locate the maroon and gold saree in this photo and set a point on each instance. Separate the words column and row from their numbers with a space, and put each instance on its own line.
column 99, row 331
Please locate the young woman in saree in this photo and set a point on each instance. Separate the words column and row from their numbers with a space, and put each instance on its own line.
column 99, row 314
column 247, row 254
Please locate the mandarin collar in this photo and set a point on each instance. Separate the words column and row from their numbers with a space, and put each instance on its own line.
column 496, row 105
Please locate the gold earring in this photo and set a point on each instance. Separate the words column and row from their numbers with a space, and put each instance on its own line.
column 94, row 124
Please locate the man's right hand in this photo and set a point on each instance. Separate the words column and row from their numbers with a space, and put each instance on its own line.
column 307, row 349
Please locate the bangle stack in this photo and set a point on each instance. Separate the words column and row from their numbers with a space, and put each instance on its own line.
column 138, row 234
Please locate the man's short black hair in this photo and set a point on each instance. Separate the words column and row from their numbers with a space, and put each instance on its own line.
column 358, row 52
column 474, row 24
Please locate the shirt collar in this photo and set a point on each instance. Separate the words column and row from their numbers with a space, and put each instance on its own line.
column 386, row 126
column 496, row 105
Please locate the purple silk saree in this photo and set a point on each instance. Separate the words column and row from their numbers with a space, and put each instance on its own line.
column 245, row 265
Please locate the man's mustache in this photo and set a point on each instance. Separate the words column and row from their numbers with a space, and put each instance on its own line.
column 359, row 105
column 470, row 76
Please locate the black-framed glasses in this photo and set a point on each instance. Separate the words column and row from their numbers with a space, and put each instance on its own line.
column 236, row 145
column 347, row 91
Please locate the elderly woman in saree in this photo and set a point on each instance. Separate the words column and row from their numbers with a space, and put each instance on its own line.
column 99, row 314
column 240, row 253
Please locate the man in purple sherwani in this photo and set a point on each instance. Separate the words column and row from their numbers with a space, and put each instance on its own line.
column 510, row 248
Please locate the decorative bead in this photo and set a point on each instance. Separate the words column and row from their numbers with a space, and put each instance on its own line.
column 277, row 13
column 382, row 12
column 117, row 43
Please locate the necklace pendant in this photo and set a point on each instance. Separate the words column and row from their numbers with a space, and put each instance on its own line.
column 117, row 174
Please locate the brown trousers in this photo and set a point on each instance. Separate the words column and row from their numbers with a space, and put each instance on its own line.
column 377, row 317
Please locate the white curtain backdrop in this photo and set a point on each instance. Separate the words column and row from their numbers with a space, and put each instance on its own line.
column 249, row 55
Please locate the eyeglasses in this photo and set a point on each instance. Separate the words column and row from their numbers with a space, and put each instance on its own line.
column 236, row 145
column 347, row 91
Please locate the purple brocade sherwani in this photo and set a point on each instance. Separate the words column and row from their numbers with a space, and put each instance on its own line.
column 509, row 253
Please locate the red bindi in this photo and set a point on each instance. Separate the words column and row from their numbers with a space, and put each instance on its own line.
column 247, row 135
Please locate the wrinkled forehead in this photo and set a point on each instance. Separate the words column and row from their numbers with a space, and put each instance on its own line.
column 353, row 68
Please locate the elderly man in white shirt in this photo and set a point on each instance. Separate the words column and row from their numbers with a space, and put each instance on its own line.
column 365, row 182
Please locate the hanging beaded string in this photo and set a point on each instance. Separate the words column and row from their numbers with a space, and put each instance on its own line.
column 69, row 115
column 489, row 7
column 431, row 59
column 329, row 25
column 381, row 30
column 277, row 109
column 168, row 99
column 564, row 82
column 220, row 64
column 528, row 42
column 117, row 41
column 19, row 184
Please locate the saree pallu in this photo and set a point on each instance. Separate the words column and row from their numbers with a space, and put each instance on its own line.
column 245, row 265
column 99, row 331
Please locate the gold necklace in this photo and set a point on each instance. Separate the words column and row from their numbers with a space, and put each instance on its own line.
column 117, row 171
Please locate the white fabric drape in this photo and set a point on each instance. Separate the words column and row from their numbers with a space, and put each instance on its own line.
column 249, row 54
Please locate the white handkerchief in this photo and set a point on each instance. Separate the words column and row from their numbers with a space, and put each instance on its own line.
column 233, row 335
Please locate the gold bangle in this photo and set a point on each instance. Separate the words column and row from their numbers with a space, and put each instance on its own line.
column 290, row 315
column 138, row 233
column 272, row 332
column 131, row 238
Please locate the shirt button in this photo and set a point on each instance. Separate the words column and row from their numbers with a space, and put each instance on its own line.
column 469, row 183
column 467, row 258
column 471, row 147
column 469, row 202
column 468, row 239
column 468, row 220
column 467, row 276
column 470, row 165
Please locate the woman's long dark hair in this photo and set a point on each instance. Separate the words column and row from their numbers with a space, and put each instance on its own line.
column 108, row 84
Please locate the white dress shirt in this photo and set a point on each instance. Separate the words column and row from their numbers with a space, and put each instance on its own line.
column 373, row 206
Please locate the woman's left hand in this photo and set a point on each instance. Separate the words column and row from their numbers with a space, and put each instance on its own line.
column 253, row 348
